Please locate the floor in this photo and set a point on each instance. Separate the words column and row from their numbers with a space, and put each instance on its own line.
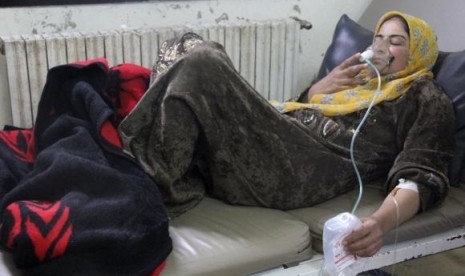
column 450, row 263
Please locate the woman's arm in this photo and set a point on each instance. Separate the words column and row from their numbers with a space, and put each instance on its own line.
column 340, row 78
column 426, row 129
column 368, row 239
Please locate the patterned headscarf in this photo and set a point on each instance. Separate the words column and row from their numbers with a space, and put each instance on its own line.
column 423, row 52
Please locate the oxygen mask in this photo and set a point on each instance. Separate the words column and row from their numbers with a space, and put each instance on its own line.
column 378, row 54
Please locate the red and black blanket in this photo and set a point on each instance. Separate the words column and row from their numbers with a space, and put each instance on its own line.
column 71, row 201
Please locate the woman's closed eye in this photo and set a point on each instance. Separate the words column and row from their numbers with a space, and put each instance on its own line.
column 396, row 40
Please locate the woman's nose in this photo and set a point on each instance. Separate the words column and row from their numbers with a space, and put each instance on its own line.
column 381, row 46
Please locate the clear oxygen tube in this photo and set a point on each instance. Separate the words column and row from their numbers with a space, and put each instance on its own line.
column 378, row 57
column 336, row 260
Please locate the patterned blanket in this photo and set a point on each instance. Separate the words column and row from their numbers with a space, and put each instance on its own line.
column 71, row 201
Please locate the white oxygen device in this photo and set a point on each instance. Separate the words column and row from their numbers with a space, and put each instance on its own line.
column 366, row 55
column 337, row 261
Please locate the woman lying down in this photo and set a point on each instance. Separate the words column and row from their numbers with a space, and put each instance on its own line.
column 202, row 129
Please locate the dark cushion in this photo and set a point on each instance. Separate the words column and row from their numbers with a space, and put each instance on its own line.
column 449, row 73
column 350, row 37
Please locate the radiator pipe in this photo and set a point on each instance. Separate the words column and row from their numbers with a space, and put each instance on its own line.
column 304, row 24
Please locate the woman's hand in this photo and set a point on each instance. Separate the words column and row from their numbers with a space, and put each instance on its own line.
column 343, row 76
column 399, row 206
column 366, row 240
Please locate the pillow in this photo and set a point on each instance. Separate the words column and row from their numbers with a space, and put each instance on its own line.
column 448, row 72
column 349, row 38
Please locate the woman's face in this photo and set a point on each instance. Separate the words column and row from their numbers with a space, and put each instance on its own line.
column 392, row 32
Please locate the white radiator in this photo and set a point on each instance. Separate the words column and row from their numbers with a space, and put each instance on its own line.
column 265, row 53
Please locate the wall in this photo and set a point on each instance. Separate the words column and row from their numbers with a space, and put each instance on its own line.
column 446, row 17
column 323, row 14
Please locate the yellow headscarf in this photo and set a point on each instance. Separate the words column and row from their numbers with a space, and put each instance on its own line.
column 422, row 56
